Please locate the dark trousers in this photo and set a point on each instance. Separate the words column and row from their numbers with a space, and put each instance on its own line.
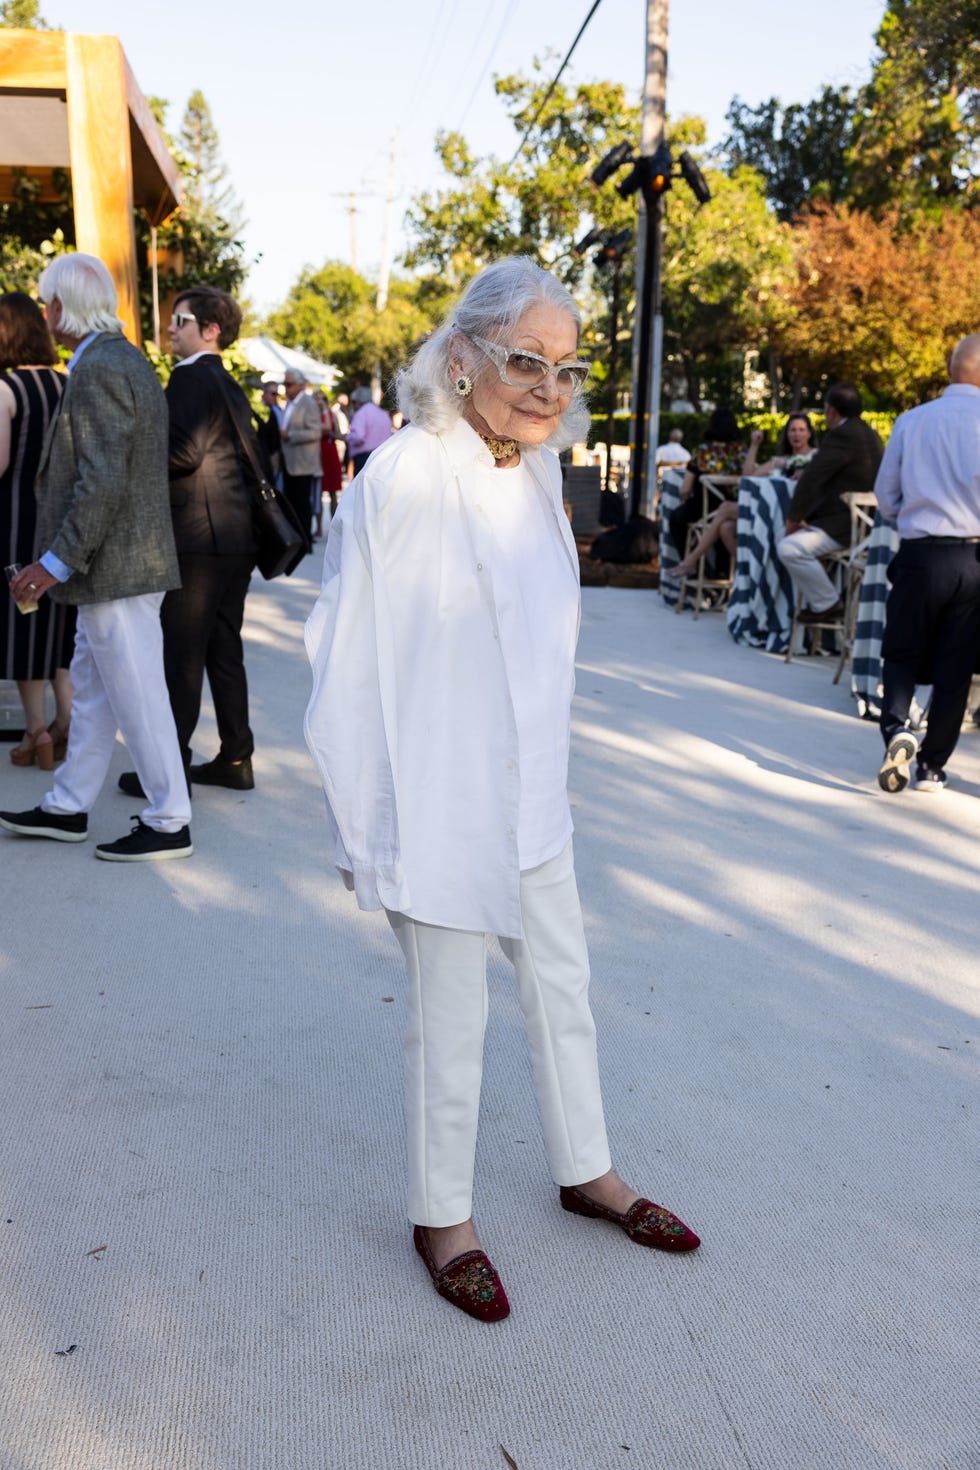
column 202, row 633
column 298, row 490
column 932, row 636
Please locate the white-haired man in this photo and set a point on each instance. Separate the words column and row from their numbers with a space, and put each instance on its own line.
column 104, row 523
column 929, row 482
column 300, row 432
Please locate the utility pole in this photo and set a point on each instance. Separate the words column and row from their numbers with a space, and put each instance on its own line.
column 352, row 196
column 646, row 402
column 381, row 299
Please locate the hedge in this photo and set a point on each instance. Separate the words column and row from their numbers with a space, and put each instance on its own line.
column 694, row 427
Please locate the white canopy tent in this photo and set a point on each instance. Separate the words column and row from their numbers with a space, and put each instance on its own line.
column 271, row 359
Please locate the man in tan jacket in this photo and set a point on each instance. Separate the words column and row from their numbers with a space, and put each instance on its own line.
column 300, row 431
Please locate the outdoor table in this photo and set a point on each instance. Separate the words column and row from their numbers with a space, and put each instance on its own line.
column 670, row 498
column 760, row 609
column 870, row 626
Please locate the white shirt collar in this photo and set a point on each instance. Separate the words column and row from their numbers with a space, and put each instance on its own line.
column 186, row 361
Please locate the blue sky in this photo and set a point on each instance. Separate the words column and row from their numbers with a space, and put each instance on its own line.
column 307, row 95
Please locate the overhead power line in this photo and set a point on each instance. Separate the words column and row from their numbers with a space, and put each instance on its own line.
column 525, row 135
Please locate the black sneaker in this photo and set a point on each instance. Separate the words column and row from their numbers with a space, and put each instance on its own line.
column 237, row 776
column 926, row 779
column 145, row 845
column 39, row 823
column 903, row 748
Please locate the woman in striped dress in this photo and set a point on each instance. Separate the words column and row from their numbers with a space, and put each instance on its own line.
column 35, row 647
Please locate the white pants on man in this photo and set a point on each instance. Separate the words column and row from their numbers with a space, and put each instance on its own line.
column 118, row 684
column 798, row 554
column 447, row 1012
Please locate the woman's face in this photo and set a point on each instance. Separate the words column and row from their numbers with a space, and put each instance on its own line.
column 798, row 435
column 529, row 415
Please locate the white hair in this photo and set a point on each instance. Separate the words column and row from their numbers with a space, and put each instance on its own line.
column 491, row 306
column 87, row 293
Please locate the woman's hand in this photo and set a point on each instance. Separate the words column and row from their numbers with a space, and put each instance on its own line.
column 755, row 438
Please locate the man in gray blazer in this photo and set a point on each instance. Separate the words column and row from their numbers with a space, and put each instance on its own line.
column 300, row 432
column 108, row 547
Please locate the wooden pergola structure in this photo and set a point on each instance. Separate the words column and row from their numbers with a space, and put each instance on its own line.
column 70, row 101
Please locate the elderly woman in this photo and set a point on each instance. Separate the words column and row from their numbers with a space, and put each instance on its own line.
column 443, row 650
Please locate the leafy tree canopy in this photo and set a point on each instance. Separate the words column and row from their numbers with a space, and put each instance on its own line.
column 799, row 150
column 534, row 204
column 200, row 242
column 23, row 15
column 917, row 133
column 330, row 313
column 880, row 301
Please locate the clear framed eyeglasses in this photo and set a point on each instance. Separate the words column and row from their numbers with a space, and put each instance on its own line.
column 520, row 368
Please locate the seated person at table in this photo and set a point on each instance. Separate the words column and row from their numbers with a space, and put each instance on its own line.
column 721, row 454
column 797, row 446
column 818, row 519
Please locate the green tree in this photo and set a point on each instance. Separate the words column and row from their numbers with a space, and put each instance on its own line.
column 22, row 15
column 534, row 204
column 881, row 300
column 331, row 314
column 917, row 134
column 202, row 235
column 800, row 151
column 725, row 269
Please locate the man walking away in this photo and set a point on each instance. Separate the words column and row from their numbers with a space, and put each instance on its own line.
column 929, row 482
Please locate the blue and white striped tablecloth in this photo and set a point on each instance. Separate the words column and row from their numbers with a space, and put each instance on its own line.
column 670, row 498
column 760, row 610
column 866, row 671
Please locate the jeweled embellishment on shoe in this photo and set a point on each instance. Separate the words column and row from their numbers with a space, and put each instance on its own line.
column 646, row 1216
column 468, row 1281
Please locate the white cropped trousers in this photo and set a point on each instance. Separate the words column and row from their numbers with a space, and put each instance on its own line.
column 447, row 1012
column 118, row 684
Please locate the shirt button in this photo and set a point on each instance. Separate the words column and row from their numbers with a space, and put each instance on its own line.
column 510, row 765
column 479, row 566
column 510, row 831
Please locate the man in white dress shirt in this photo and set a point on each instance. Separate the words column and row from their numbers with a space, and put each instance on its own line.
column 929, row 482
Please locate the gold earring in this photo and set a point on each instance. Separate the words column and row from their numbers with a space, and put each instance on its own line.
column 463, row 386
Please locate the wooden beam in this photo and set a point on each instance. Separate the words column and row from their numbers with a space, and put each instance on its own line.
column 101, row 163
column 32, row 60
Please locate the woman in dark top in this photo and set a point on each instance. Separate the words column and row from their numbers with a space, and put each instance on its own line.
column 37, row 646
column 721, row 454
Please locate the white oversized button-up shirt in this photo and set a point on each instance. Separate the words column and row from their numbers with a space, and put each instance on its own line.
column 411, row 722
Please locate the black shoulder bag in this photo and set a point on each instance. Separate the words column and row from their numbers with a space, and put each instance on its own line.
column 281, row 541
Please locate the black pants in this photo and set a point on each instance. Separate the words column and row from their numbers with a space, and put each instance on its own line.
column 202, row 633
column 932, row 636
column 298, row 490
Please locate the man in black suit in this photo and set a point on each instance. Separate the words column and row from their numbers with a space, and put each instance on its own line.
column 818, row 519
column 267, row 429
column 211, row 505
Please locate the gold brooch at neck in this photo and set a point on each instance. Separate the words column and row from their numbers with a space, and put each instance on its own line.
column 500, row 448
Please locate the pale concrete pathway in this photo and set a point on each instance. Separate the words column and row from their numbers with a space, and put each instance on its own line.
column 200, row 1179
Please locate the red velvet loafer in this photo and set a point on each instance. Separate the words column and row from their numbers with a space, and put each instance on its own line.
column 644, row 1222
column 468, row 1281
